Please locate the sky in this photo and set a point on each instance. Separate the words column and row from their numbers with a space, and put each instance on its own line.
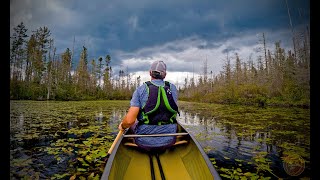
column 183, row 33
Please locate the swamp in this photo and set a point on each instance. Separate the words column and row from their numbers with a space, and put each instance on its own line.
column 70, row 139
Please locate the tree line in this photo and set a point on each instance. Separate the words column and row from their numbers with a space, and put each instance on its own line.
column 276, row 77
column 38, row 73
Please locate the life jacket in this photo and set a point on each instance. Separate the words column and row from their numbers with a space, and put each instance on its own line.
column 160, row 107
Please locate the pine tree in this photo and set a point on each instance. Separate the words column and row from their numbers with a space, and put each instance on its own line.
column 18, row 51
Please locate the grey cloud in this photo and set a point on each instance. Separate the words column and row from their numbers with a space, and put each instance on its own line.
column 229, row 49
column 182, row 31
column 209, row 45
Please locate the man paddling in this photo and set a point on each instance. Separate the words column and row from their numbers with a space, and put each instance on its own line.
column 153, row 110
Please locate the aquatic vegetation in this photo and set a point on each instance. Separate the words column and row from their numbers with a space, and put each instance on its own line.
column 238, row 174
column 87, row 151
column 70, row 140
column 281, row 132
column 71, row 137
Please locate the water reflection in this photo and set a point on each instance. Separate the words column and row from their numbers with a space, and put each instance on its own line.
column 99, row 116
column 115, row 118
column 21, row 121
column 70, row 124
column 224, row 140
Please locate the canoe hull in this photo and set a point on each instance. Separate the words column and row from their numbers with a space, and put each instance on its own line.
column 183, row 161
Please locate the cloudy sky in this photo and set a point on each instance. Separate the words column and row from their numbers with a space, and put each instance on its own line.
column 183, row 33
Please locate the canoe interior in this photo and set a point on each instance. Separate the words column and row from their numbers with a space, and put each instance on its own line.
column 184, row 161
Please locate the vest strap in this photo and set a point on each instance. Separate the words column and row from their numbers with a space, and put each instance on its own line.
column 160, row 94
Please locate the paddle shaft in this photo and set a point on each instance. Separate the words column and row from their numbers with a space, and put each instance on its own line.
column 115, row 141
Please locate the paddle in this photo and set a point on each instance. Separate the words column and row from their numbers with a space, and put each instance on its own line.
column 115, row 142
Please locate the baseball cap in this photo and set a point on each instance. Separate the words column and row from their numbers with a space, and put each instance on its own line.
column 158, row 66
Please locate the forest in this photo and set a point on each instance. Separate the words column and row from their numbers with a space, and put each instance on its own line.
column 278, row 77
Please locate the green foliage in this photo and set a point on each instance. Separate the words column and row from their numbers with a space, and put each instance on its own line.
column 76, row 136
column 86, row 141
column 89, row 153
column 238, row 174
column 292, row 152
column 285, row 77
column 49, row 79
column 286, row 128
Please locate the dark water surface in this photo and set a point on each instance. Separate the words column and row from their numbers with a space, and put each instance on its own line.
column 59, row 140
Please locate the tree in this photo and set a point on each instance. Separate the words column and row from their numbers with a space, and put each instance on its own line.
column 49, row 70
column 227, row 70
column 100, row 70
column 238, row 71
column 205, row 71
column 41, row 36
column 107, row 76
column 82, row 75
column 31, row 55
column 93, row 76
column 66, row 66
column 18, row 51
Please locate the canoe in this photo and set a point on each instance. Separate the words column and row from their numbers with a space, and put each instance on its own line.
column 184, row 160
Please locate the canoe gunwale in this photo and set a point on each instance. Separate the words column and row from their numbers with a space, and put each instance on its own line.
column 111, row 158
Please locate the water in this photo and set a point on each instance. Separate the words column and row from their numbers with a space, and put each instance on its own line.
column 258, row 150
column 222, row 143
column 62, row 139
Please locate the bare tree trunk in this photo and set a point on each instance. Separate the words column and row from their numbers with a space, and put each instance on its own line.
column 265, row 53
column 293, row 39
column 205, row 71
column 49, row 71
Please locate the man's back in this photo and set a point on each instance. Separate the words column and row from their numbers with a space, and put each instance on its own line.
column 140, row 96
column 155, row 106
column 158, row 110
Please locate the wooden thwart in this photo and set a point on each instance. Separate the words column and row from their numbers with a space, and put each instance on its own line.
column 176, row 143
column 155, row 135
column 130, row 144
column 180, row 142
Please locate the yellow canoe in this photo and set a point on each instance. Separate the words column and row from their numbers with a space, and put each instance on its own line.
column 183, row 161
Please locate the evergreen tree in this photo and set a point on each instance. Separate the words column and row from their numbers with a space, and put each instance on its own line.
column 18, row 51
